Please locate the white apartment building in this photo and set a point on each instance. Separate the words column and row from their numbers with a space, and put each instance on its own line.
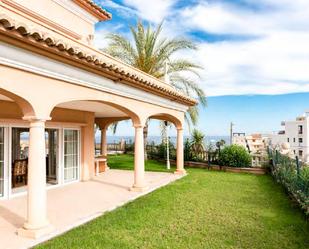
column 239, row 139
column 296, row 134
column 256, row 144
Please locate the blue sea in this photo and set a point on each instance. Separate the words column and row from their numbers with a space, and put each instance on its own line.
column 158, row 139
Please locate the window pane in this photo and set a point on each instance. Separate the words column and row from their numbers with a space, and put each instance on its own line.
column 1, row 135
column 1, row 160
column 71, row 154
column 1, row 151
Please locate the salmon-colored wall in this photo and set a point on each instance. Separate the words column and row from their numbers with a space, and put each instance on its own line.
column 43, row 93
column 88, row 150
column 10, row 110
column 69, row 115
column 59, row 15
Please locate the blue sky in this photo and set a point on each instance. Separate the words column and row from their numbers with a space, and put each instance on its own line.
column 248, row 49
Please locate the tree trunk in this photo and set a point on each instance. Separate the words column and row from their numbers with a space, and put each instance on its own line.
column 145, row 131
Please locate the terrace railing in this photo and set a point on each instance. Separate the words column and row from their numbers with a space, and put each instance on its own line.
column 293, row 175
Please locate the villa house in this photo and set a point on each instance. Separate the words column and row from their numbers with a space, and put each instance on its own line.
column 54, row 87
column 295, row 134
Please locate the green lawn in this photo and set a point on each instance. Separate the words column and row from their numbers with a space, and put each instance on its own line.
column 205, row 209
column 127, row 162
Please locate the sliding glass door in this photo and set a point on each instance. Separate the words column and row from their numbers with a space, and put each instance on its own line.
column 20, row 149
column 71, row 155
column 51, row 143
column 1, row 161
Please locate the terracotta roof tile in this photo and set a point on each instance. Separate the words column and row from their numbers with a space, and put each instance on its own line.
column 95, row 9
column 125, row 73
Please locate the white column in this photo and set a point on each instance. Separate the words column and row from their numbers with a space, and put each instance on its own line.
column 37, row 223
column 103, row 142
column 104, row 145
column 139, row 161
column 180, row 159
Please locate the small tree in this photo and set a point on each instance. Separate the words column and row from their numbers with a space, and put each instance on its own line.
column 197, row 144
column 220, row 144
column 235, row 156
column 187, row 150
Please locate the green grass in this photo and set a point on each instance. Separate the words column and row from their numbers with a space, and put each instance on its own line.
column 205, row 209
column 127, row 162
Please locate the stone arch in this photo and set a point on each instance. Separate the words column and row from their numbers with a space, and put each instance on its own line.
column 104, row 123
column 25, row 106
column 168, row 117
column 136, row 120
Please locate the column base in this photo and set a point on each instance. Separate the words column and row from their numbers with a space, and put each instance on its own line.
column 138, row 189
column 35, row 233
column 180, row 172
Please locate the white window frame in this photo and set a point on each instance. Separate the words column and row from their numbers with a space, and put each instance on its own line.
column 78, row 178
column 5, row 165
column 23, row 125
column 2, row 181
column 59, row 156
column 8, row 194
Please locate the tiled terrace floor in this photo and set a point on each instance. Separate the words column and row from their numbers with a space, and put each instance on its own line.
column 75, row 204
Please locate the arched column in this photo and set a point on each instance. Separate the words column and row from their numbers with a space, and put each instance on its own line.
column 88, row 152
column 103, row 124
column 179, row 157
column 37, row 223
column 177, row 119
column 103, row 140
column 103, row 147
column 139, row 160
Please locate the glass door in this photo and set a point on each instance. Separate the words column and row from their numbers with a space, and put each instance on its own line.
column 1, row 161
column 20, row 149
column 51, row 142
column 71, row 155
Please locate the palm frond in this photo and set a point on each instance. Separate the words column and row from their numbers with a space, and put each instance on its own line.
column 190, row 87
column 149, row 53
column 193, row 114
column 184, row 65
column 113, row 127
column 120, row 48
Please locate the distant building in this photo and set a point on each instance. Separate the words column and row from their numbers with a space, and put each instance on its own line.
column 256, row 144
column 239, row 139
column 295, row 133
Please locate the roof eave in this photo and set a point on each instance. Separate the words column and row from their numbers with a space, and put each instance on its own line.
column 24, row 35
column 94, row 9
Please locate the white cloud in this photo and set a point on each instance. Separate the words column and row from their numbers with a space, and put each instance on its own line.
column 154, row 11
column 123, row 10
column 275, row 60
column 222, row 18
column 278, row 63
column 100, row 40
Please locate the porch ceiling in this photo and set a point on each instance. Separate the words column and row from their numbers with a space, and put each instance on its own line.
column 101, row 110
column 2, row 97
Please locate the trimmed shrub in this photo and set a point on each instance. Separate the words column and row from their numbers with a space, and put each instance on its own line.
column 159, row 151
column 296, row 182
column 235, row 156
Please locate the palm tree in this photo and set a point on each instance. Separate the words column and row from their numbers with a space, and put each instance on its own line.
column 150, row 53
column 220, row 144
column 197, row 141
